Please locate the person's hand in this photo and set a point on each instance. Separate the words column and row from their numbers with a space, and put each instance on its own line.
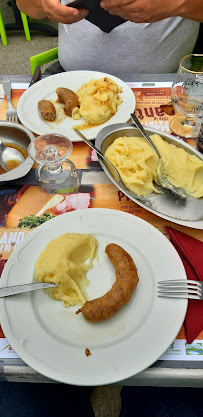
column 57, row 12
column 142, row 11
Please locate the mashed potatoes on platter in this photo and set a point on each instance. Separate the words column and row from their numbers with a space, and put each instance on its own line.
column 65, row 261
column 139, row 165
column 98, row 100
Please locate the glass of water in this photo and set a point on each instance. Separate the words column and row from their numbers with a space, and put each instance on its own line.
column 187, row 96
column 55, row 172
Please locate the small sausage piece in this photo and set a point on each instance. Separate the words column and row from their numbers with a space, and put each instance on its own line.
column 87, row 352
column 126, row 281
column 69, row 98
column 47, row 110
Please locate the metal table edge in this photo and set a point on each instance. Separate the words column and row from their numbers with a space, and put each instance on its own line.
column 163, row 377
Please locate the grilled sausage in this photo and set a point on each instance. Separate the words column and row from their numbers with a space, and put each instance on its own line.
column 69, row 98
column 126, row 281
column 47, row 110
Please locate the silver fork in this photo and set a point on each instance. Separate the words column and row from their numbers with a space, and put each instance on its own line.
column 11, row 114
column 181, row 289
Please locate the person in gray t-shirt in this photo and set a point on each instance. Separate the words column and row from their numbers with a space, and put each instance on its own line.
column 152, row 39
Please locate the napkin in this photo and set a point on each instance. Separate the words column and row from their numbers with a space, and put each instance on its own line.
column 98, row 16
column 190, row 251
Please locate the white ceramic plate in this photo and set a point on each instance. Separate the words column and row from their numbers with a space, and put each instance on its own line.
column 52, row 339
column 29, row 114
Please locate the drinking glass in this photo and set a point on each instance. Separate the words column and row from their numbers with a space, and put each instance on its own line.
column 55, row 172
column 187, row 96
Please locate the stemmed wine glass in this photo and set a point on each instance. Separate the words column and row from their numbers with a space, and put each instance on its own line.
column 187, row 96
column 55, row 172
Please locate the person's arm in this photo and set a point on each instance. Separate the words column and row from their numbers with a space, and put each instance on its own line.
column 193, row 10
column 31, row 8
column 147, row 11
column 53, row 9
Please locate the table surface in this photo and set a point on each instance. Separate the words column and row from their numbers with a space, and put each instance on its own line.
column 162, row 373
column 124, row 77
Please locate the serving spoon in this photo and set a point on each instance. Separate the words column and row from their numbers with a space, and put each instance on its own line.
column 175, row 192
column 8, row 154
column 115, row 173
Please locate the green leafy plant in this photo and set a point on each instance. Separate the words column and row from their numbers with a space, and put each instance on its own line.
column 34, row 221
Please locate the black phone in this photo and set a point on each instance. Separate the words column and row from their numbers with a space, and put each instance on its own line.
column 84, row 4
column 77, row 4
column 98, row 16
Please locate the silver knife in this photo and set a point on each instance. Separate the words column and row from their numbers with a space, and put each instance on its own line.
column 18, row 289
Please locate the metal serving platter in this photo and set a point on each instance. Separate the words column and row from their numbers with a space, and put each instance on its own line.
column 16, row 134
column 189, row 214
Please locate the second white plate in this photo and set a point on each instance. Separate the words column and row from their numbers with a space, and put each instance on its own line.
column 44, row 89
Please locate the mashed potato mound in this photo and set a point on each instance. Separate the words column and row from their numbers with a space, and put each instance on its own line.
column 64, row 262
column 180, row 168
column 136, row 163
column 99, row 100
column 139, row 165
